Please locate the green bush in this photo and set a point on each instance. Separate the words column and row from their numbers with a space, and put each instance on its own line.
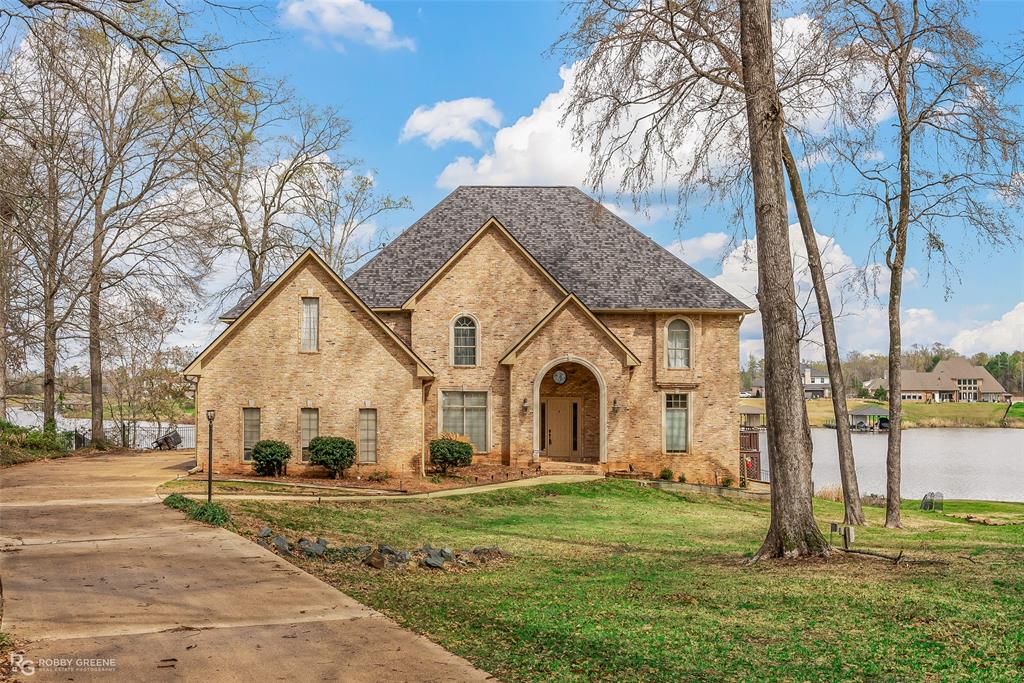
column 333, row 452
column 379, row 475
column 9, row 428
column 682, row 478
column 46, row 440
column 270, row 457
column 728, row 481
column 666, row 474
column 207, row 512
column 445, row 453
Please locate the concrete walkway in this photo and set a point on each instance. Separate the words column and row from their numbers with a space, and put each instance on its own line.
column 93, row 567
column 445, row 493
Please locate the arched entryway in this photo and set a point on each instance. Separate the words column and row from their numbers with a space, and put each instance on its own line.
column 570, row 416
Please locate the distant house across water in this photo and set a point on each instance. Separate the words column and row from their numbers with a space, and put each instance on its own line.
column 954, row 380
column 816, row 383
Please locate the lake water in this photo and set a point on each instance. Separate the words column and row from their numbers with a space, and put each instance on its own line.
column 986, row 464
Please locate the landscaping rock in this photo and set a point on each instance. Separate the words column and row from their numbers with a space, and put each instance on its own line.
column 447, row 553
column 312, row 549
column 376, row 560
column 265, row 532
column 404, row 556
column 281, row 543
column 364, row 549
column 262, row 542
column 320, row 541
column 386, row 550
column 433, row 561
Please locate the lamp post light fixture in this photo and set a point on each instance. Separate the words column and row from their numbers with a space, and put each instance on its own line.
column 210, row 414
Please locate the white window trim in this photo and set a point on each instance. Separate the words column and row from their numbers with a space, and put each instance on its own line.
column 302, row 313
column 319, row 421
column 693, row 342
column 489, row 422
column 242, row 418
column 451, row 341
column 664, row 423
column 376, row 436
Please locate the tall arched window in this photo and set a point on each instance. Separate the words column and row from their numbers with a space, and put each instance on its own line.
column 464, row 341
column 678, row 344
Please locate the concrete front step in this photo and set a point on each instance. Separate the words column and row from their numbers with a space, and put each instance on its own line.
column 558, row 467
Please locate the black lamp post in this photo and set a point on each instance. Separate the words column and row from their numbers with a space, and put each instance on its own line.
column 210, row 414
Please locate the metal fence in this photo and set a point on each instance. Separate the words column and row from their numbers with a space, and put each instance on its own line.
column 137, row 434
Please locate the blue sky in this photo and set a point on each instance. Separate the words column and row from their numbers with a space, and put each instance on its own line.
column 381, row 61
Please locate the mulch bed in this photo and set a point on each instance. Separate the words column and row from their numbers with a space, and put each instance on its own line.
column 473, row 475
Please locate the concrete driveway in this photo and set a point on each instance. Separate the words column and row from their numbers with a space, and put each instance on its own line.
column 105, row 583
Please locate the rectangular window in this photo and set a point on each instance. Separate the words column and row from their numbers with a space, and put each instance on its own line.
column 250, row 431
column 676, row 423
column 309, row 429
column 368, row 435
column 465, row 412
column 310, row 324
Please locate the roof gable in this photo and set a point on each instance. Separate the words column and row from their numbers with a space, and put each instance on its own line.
column 491, row 224
column 511, row 356
column 582, row 245
column 267, row 291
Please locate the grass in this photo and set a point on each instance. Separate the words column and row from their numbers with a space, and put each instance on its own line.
column 232, row 487
column 208, row 512
column 916, row 414
column 611, row 581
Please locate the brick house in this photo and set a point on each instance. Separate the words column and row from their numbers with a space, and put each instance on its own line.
column 952, row 380
column 530, row 319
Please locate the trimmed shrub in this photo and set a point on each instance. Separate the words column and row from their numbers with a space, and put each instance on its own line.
column 270, row 457
column 666, row 474
column 682, row 478
column 379, row 475
column 445, row 453
column 728, row 481
column 333, row 452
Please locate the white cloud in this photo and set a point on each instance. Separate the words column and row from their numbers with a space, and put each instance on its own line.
column 535, row 149
column 1004, row 334
column 451, row 120
column 354, row 20
column 710, row 245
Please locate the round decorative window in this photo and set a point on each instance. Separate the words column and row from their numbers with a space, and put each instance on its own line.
column 559, row 377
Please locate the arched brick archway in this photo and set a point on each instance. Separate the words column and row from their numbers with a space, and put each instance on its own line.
column 585, row 382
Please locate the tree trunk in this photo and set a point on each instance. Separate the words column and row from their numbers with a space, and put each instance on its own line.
column 95, row 351
column 793, row 531
column 847, row 471
column 896, row 258
column 49, row 360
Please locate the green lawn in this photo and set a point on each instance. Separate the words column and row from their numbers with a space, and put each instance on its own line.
column 247, row 487
column 917, row 414
column 611, row 581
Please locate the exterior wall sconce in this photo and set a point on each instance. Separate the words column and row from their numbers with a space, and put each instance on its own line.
column 615, row 406
column 526, row 405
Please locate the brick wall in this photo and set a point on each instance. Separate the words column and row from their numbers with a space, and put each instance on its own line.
column 497, row 285
column 357, row 366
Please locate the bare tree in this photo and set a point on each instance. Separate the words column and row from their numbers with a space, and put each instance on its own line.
column 49, row 209
column 659, row 96
column 957, row 140
column 144, row 379
column 338, row 207
column 793, row 531
column 250, row 166
column 136, row 120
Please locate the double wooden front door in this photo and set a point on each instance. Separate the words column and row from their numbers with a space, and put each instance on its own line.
column 561, row 428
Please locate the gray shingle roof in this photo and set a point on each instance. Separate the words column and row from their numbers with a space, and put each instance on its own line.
column 592, row 252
